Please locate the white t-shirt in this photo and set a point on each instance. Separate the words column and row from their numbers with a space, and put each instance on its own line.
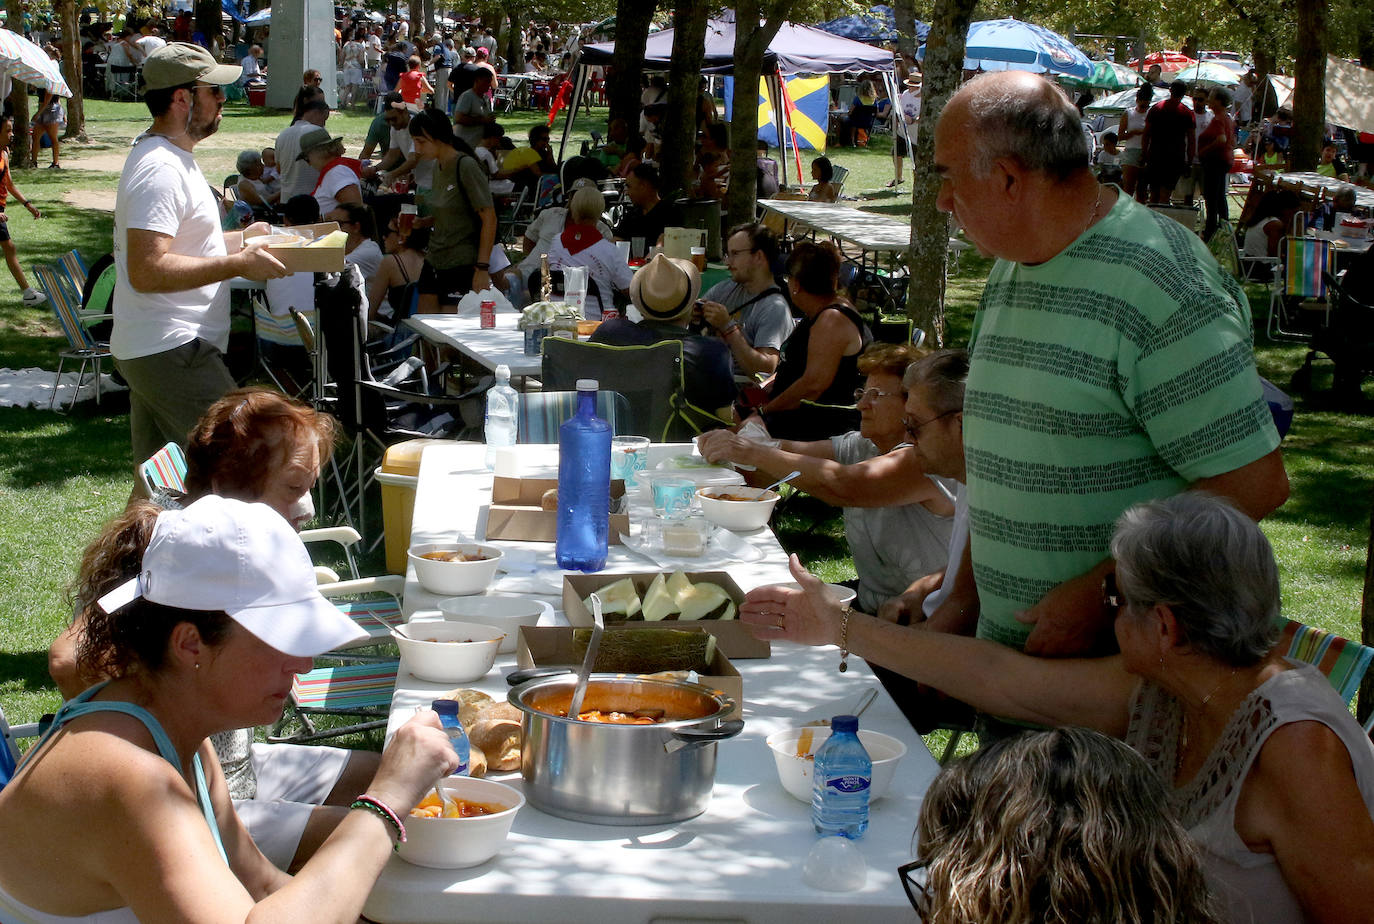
column 958, row 538
column 297, row 177
column 149, row 44
column 374, row 50
column 1241, row 99
column 338, row 178
column 488, row 161
column 367, row 256
column 605, row 266
column 250, row 67
column 161, row 189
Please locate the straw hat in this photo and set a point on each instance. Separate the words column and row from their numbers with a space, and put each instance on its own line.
column 913, row 81
column 664, row 289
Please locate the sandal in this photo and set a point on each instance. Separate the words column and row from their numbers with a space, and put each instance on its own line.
column 892, row 183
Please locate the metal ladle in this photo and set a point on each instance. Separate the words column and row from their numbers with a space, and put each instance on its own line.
column 585, row 672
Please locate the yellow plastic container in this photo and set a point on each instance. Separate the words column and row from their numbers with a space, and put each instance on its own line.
column 398, row 475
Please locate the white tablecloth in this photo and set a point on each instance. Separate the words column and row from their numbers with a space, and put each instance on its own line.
column 739, row 861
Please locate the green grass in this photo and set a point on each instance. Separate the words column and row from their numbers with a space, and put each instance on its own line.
column 62, row 476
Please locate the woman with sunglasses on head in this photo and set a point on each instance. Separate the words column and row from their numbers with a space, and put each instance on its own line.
column 121, row 813
column 896, row 519
column 1054, row 827
column 1241, row 736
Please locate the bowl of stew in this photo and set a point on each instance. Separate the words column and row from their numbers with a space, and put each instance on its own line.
column 455, row 569
column 467, row 830
column 443, row 651
column 737, row 507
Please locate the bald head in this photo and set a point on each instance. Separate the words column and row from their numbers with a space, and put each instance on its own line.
column 1018, row 115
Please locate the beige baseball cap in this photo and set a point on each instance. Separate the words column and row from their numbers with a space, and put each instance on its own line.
column 179, row 63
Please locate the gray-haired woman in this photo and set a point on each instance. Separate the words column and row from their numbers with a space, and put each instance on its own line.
column 1262, row 761
column 251, row 187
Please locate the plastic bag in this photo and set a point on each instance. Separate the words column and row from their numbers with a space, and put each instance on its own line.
column 471, row 303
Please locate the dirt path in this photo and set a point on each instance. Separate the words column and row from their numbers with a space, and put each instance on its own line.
column 100, row 199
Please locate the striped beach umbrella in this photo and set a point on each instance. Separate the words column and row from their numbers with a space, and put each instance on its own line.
column 26, row 62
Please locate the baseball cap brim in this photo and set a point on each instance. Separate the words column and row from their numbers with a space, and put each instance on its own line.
column 222, row 74
column 303, row 629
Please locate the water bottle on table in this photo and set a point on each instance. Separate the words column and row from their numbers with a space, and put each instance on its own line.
column 447, row 710
column 841, row 778
column 584, row 485
column 503, row 412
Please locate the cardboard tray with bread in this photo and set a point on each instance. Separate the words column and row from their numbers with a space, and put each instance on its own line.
column 526, row 510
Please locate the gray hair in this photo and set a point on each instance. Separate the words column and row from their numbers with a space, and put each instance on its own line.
column 1210, row 564
column 941, row 376
column 245, row 161
column 1344, row 198
column 1037, row 125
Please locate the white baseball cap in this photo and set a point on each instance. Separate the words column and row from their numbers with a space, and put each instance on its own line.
column 244, row 559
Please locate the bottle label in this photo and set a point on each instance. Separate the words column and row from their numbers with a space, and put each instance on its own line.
column 847, row 784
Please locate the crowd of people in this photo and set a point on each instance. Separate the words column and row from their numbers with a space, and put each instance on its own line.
column 1056, row 527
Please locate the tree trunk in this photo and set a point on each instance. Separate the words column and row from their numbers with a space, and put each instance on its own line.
column 751, row 44
column 679, row 125
column 208, row 13
column 1309, row 89
column 904, row 11
column 19, row 98
column 944, row 64
column 71, row 69
column 632, row 21
column 1365, row 704
column 515, row 58
column 429, row 18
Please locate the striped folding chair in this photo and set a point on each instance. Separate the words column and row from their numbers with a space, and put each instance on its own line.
column 1301, row 279
column 81, row 346
column 75, row 267
column 164, row 471
column 375, row 605
column 280, row 331
column 543, row 412
column 362, row 691
column 1342, row 661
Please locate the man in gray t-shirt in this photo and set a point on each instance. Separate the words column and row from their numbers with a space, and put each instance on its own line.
column 748, row 311
column 473, row 110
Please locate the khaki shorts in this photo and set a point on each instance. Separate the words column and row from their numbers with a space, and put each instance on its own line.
column 169, row 391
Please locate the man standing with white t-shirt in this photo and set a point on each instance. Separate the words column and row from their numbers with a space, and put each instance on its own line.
column 171, row 313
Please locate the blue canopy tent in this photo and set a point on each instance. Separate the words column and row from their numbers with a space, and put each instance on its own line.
column 879, row 24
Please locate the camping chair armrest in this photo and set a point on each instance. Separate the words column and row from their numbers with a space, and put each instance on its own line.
column 402, row 394
column 393, row 584
column 343, row 535
column 87, row 320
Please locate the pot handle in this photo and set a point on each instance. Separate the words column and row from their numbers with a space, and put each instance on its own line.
column 700, row 737
column 515, row 678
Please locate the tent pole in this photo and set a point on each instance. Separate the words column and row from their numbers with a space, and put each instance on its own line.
column 776, row 93
column 579, row 88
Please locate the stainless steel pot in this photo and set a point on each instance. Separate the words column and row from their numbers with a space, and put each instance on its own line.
column 621, row 774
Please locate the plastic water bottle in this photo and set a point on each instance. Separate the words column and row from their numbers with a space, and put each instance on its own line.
column 503, row 410
column 584, row 485
column 448, row 717
column 841, row 778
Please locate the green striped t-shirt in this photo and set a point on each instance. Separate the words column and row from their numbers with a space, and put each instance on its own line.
column 1121, row 370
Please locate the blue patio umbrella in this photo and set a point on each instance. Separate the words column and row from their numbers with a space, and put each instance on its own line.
column 1012, row 45
column 879, row 24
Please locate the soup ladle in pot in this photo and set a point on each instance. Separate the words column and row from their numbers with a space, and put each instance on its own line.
column 585, row 673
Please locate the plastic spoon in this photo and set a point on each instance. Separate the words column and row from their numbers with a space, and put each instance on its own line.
column 781, row 481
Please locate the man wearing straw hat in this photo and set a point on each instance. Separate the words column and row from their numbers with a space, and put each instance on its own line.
column 665, row 291
column 171, row 313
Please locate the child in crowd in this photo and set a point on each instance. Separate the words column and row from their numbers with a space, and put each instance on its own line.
column 32, row 297
column 1109, row 160
column 270, row 174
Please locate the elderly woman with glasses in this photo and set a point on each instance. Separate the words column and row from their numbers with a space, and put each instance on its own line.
column 896, row 519
column 1054, row 827
column 1262, row 761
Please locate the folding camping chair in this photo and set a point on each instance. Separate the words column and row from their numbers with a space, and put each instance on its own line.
column 9, row 749
column 1305, row 264
column 1342, row 661
column 81, row 345
column 75, row 268
column 362, row 690
column 543, row 412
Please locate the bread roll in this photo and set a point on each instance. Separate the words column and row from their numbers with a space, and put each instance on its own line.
column 470, row 704
column 497, row 733
column 477, row 760
column 550, row 500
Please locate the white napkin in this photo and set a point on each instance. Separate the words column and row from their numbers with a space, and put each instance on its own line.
column 545, row 582
column 724, row 548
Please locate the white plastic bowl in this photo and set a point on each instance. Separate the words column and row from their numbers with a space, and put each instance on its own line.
column 840, row 592
column 795, row 772
column 455, row 578
column 457, row 843
column 737, row 514
column 464, row 652
column 506, row 613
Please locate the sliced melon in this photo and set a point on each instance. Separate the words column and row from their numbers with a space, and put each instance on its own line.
column 332, row 239
column 701, row 600
column 620, row 597
column 678, row 585
column 658, row 603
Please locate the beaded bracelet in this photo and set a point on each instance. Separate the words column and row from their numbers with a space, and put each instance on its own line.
column 384, row 810
column 844, row 638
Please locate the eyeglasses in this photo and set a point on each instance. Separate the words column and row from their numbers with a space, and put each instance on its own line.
column 740, row 253
column 913, row 429
column 873, row 394
column 215, row 89
column 915, row 886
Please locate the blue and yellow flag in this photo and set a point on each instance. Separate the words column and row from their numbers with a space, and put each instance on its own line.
column 810, row 96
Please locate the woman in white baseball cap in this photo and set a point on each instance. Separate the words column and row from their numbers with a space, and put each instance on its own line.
column 120, row 813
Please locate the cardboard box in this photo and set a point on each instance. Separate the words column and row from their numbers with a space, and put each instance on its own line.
column 553, row 647
column 298, row 259
column 516, row 513
column 732, row 636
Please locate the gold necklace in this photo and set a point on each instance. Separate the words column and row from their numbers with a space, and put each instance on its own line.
column 1183, row 733
column 1092, row 216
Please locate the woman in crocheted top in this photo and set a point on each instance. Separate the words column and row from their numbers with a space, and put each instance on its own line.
column 1263, row 762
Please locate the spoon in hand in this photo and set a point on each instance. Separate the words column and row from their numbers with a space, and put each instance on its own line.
column 781, row 481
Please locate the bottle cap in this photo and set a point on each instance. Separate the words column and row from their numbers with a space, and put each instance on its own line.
column 503, row 373
column 445, row 706
column 587, row 385
column 844, row 723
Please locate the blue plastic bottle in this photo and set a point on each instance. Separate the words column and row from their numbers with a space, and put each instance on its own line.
column 584, row 485
column 841, row 778
column 448, row 717
column 503, row 413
